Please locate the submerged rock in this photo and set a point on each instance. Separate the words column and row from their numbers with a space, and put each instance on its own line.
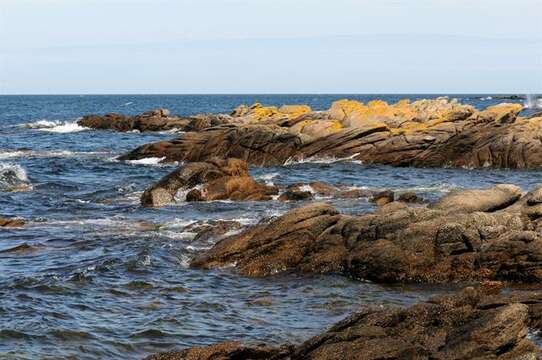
column 11, row 222
column 217, row 179
column 456, row 239
column 468, row 325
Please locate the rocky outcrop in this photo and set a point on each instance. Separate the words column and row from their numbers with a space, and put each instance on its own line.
column 11, row 222
column 488, row 234
column 215, row 179
column 256, row 144
column 438, row 132
column 154, row 120
column 469, row 325
column 223, row 351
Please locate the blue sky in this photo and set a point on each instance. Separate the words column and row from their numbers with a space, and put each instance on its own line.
column 270, row 46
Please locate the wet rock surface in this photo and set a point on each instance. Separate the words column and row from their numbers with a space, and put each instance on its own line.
column 487, row 234
column 217, row 179
column 433, row 133
column 11, row 222
column 471, row 324
column 153, row 120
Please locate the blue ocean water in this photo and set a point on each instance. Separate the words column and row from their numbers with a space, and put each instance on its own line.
column 94, row 275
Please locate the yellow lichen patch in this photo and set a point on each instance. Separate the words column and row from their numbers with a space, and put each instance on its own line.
column 316, row 128
column 504, row 112
column 534, row 123
column 294, row 111
column 343, row 109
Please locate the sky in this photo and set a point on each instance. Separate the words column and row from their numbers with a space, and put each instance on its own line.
column 270, row 46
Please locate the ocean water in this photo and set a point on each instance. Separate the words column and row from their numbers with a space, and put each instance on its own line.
column 94, row 275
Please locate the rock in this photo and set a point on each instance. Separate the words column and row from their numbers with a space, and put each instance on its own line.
column 258, row 145
column 194, row 195
column 212, row 229
column 382, row 198
column 470, row 324
column 454, row 240
column 218, row 179
column 223, row 351
column 293, row 195
column 11, row 222
column 487, row 200
column 449, row 327
column 153, row 120
column 409, row 197
column 428, row 133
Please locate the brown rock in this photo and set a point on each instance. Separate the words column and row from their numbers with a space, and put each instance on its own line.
column 295, row 195
column 468, row 325
column 218, row 180
column 11, row 222
column 455, row 240
column 153, row 120
column 382, row 198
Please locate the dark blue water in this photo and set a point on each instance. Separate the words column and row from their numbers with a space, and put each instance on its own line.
column 102, row 277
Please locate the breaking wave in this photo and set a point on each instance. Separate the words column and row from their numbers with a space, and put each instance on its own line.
column 55, row 126
column 13, row 178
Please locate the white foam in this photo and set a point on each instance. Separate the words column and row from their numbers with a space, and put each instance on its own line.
column 13, row 154
column 322, row 160
column 146, row 161
column 55, row 126
column 13, row 177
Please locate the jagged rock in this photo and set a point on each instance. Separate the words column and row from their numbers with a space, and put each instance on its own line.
column 11, row 222
column 454, row 240
column 468, row 325
column 219, row 180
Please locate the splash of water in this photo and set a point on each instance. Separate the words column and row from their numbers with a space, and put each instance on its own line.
column 533, row 101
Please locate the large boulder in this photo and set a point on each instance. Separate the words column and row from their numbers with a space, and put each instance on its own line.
column 397, row 243
column 215, row 179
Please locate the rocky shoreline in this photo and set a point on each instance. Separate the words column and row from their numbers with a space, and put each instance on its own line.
column 423, row 133
column 488, row 237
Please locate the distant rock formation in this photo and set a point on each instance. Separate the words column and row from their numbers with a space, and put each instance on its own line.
column 432, row 133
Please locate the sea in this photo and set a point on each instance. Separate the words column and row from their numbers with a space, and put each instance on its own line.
column 93, row 275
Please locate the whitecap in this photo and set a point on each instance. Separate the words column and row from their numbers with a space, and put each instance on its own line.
column 13, row 178
column 322, row 160
column 55, row 126
column 147, row 161
column 13, row 154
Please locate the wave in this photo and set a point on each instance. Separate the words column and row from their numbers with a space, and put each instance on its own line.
column 13, row 178
column 322, row 160
column 150, row 161
column 55, row 126
column 12, row 154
